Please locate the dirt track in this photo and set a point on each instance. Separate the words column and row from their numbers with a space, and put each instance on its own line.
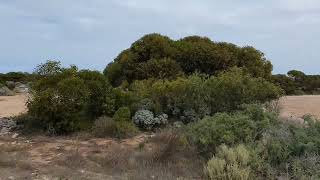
column 12, row 105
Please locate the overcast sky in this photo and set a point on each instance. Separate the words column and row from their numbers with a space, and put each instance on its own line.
column 92, row 33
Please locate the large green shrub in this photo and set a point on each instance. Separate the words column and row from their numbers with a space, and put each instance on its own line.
column 190, row 99
column 157, row 56
column 229, row 90
column 229, row 164
column 97, row 86
column 59, row 108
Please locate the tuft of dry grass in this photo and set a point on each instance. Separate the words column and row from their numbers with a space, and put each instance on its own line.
column 160, row 157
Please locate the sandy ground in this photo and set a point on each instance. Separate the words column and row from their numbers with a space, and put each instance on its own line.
column 12, row 105
column 297, row 106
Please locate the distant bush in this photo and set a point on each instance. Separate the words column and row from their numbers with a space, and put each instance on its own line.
column 229, row 164
column 11, row 85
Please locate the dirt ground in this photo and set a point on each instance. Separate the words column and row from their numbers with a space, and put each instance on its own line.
column 12, row 105
column 298, row 106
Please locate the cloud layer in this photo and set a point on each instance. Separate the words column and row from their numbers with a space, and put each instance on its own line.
column 91, row 33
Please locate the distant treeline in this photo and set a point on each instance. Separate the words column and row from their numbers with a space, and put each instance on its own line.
column 298, row 83
column 17, row 77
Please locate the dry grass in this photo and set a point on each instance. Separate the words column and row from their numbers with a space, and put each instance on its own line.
column 161, row 157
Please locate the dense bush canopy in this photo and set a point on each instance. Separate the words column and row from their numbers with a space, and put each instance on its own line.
column 63, row 97
column 157, row 56
column 196, row 96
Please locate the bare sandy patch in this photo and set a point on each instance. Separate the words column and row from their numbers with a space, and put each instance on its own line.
column 12, row 105
column 298, row 106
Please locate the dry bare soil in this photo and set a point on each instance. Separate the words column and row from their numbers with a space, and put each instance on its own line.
column 85, row 157
column 12, row 105
column 295, row 107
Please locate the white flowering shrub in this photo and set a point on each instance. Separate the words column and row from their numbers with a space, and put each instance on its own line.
column 146, row 119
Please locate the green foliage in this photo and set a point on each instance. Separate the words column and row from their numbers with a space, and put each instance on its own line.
column 122, row 114
column 17, row 77
column 190, row 99
column 157, row 56
column 229, row 164
column 298, row 83
column 59, row 108
column 231, row 89
column 241, row 127
column 49, row 68
column 97, row 86
column 65, row 99
column 289, row 149
column 126, row 129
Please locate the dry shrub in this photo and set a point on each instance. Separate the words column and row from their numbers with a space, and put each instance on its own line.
column 165, row 145
column 273, row 106
column 14, row 159
column 163, row 156
column 73, row 158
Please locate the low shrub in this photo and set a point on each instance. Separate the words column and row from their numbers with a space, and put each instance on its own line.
column 108, row 127
column 229, row 164
column 241, row 127
column 289, row 150
column 126, row 129
column 104, row 127
column 122, row 114
column 306, row 167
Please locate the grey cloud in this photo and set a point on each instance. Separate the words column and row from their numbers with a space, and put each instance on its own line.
column 91, row 33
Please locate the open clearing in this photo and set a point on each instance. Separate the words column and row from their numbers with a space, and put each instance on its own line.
column 297, row 106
